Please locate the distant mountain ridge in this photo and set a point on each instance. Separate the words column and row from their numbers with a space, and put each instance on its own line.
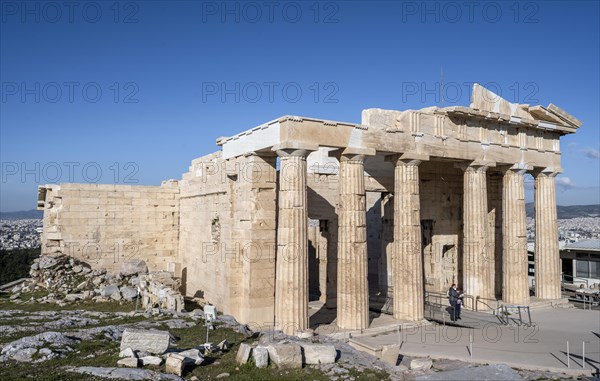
column 22, row 215
column 569, row 211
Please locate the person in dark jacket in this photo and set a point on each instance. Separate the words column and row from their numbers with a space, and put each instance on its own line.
column 455, row 302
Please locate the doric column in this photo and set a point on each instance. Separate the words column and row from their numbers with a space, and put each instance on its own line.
column 515, row 285
column 407, row 256
column 352, row 271
column 291, row 283
column 476, row 269
column 547, row 258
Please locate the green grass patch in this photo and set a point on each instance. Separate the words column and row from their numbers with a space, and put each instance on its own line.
column 104, row 353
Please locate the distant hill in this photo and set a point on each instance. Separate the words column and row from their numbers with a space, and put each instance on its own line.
column 22, row 215
column 564, row 212
column 570, row 211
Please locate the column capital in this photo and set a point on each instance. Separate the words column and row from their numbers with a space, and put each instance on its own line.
column 290, row 148
column 518, row 168
column 352, row 153
column 407, row 158
column 265, row 153
column 547, row 171
column 475, row 165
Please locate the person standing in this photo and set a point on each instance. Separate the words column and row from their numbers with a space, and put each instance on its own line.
column 454, row 298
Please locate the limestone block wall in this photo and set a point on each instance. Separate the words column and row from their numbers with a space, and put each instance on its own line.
column 106, row 225
column 228, row 234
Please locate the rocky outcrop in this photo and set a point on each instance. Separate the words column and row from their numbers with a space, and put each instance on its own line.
column 124, row 373
column 36, row 348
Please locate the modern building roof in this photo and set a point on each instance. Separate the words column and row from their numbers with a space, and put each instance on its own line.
column 584, row 244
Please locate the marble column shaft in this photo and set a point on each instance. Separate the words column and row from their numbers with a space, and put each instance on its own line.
column 407, row 253
column 352, row 272
column 515, row 285
column 476, row 269
column 547, row 258
column 291, row 287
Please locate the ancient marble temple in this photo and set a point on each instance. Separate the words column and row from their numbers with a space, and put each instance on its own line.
column 299, row 209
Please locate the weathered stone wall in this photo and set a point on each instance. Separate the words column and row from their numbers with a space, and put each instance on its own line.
column 105, row 225
column 228, row 234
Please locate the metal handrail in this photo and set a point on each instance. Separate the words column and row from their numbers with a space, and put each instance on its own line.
column 505, row 314
column 574, row 278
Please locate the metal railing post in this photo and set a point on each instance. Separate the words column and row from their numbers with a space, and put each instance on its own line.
column 568, row 356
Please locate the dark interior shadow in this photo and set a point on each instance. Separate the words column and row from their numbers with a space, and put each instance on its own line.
column 184, row 278
column 375, row 243
column 314, row 292
column 379, row 303
column 319, row 208
column 323, row 316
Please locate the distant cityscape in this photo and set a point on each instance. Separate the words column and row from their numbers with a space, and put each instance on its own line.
column 20, row 234
column 22, row 230
column 571, row 230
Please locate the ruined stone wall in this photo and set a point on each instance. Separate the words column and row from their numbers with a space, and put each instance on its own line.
column 105, row 225
column 228, row 234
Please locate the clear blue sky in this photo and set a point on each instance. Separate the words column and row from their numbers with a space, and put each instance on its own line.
column 168, row 71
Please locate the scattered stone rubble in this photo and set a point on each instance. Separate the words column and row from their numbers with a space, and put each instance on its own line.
column 141, row 347
column 286, row 355
column 68, row 280
column 146, row 345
